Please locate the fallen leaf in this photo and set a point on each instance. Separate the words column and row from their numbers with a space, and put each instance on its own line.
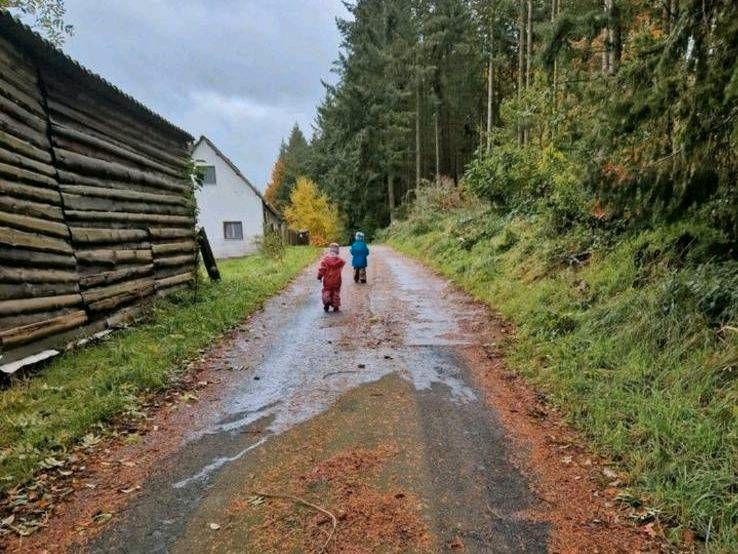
column 456, row 544
column 102, row 517
column 653, row 530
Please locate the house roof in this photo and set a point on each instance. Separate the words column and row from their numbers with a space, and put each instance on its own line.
column 237, row 171
column 47, row 56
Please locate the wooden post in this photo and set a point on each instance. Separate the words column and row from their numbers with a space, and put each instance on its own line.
column 207, row 255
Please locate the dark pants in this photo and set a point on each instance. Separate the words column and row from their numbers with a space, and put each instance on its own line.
column 359, row 274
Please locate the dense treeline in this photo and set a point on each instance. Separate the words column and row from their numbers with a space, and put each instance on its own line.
column 600, row 214
column 621, row 109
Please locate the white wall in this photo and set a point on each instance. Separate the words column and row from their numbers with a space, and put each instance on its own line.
column 229, row 199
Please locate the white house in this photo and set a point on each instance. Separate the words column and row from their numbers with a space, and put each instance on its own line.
column 232, row 211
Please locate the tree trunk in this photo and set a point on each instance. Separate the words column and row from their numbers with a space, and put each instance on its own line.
column 438, row 149
column 417, row 134
column 529, row 44
column 521, row 59
column 607, row 6
column 614, row 37
column 555, row 71
column 490, row 95
column 391, row 194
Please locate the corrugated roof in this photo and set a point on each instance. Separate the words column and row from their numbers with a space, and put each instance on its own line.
column 44, row 53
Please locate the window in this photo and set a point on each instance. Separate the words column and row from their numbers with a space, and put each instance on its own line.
column 208, row 174
column 233, row 230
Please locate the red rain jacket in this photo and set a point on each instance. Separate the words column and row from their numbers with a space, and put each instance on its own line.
column 330, row 271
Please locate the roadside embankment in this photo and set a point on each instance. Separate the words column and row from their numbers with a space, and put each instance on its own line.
column 632, row 333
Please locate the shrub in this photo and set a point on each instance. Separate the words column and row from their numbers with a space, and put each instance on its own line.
column 272, row 245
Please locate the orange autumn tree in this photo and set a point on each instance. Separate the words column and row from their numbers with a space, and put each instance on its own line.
column 275, row 183
column 311, row 210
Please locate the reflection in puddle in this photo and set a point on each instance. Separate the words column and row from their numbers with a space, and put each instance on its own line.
column 306, row 370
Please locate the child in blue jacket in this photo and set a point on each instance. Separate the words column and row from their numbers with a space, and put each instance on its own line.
column 359, row 253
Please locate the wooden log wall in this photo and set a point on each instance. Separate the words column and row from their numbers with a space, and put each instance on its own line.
column 95, row 212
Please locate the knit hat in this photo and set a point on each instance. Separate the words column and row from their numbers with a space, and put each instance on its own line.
column 333, row 248
column 359, row 235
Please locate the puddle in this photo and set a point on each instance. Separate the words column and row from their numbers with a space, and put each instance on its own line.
column 306, row 360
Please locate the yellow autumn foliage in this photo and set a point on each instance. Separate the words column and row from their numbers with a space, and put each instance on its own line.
column 275, row 183
column 310, row 210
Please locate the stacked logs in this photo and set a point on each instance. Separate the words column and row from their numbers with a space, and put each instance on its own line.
column 96, row 209
column 39, row 284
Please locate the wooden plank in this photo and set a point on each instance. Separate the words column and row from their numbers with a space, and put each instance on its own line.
column 33, row 241
column 95, row 127
column 164, row 233
column 174, row 261
column 104, row 168
column 23, row 275
column 10, row 291
column 18, row 160
column 122, row 194
column 114, row 257
column 19, row 174
column 114, row 302
column 112, row 120
column 22, row 147
column 38, row 304
column 31, row 209
column 90, row 235
column 30, row 192
column 18, row 129
column 72, row 178
column 34, row 225
column 127, row 287
column 174, row 280
column 173, row 248
column 97, row 216
column 77, row 202
column 27, row 118
column 110, row 277
column 208, row 258
column 14, row 92
column 61, row 134
column 19, row 257
column 40, row 329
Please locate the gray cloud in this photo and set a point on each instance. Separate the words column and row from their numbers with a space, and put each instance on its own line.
column 241, row 72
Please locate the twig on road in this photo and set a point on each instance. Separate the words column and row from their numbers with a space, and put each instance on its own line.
column 299, row 500
column 338, row 373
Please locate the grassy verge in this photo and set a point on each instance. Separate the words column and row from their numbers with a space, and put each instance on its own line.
column 45, row 414
column 632, row 334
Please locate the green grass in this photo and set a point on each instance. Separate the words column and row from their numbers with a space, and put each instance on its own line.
column 638, row 345
column 43, row 415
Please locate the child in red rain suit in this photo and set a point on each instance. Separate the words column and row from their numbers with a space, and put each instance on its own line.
column 329, row 272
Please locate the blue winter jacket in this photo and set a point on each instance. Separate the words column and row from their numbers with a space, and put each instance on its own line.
column 359, row 251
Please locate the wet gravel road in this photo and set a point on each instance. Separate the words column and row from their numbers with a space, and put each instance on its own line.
column 386, row 369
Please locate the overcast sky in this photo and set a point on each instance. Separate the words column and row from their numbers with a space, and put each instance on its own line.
column 241, row 72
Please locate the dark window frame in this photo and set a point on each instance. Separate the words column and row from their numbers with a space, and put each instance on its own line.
column 203, row 169
column 237, row 225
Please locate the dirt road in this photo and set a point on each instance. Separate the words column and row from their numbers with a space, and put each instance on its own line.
column 392, row 415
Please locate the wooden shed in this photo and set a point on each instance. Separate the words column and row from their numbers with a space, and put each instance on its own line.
column 96, row 204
